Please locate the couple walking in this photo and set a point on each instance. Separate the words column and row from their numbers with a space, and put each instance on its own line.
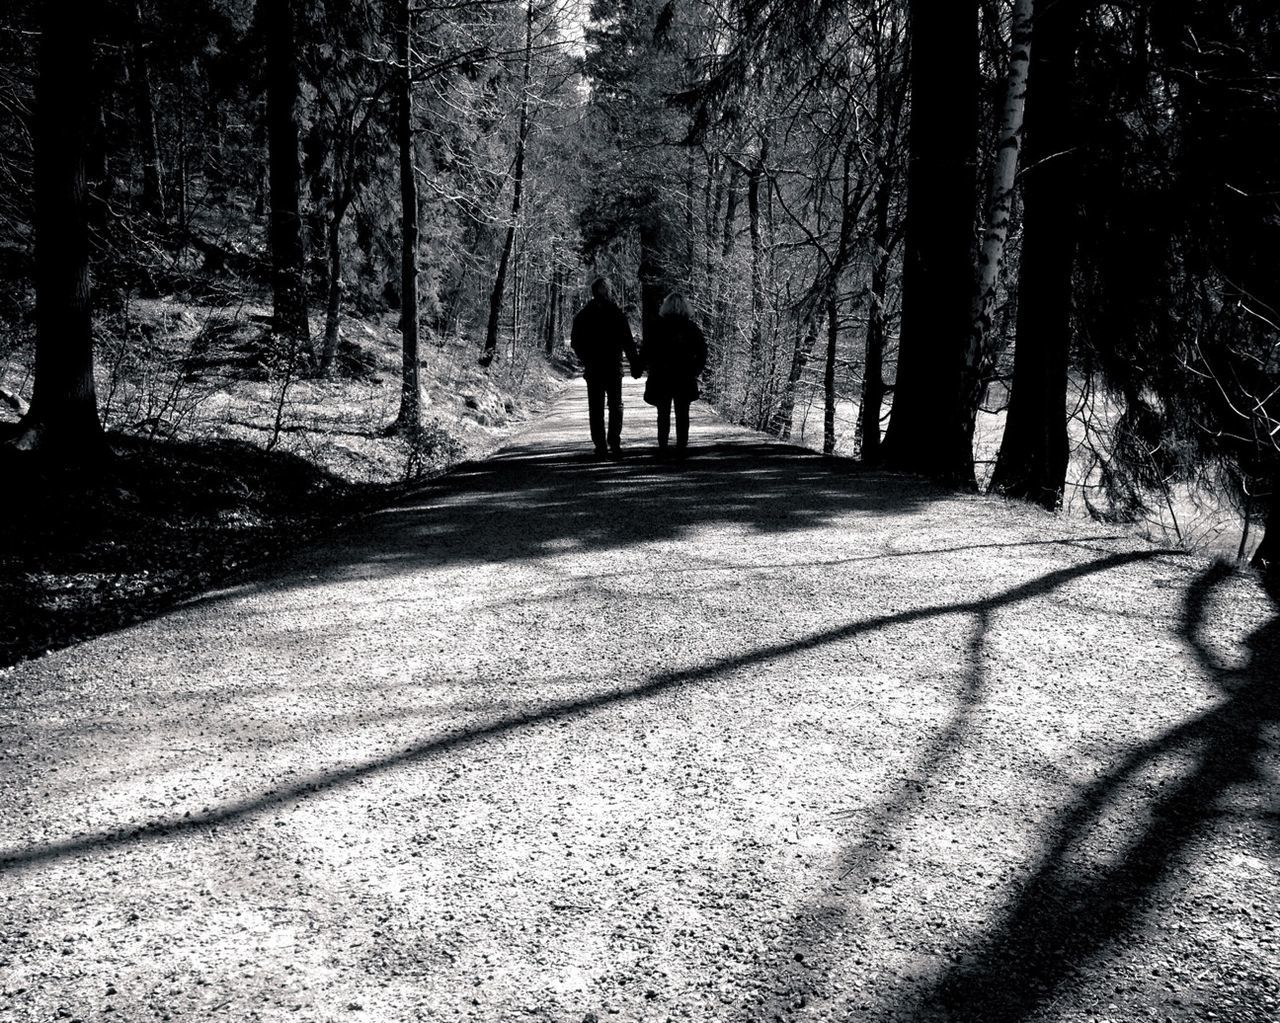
column 673, row 356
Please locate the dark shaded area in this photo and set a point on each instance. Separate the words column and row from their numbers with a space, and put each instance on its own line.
column 240, row 810
column 81, row 555
column 1074, row 908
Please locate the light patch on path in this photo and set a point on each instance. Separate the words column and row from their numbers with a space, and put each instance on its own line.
column 748, row 737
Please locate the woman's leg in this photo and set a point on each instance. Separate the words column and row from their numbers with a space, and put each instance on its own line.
column 664, row 422
column 682, row 424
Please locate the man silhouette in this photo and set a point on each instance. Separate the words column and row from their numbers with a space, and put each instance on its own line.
column 600, row 336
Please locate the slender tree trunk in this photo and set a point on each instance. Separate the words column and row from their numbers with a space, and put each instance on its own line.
column 980, row 352
column 62, row 420
column 829, row 376
column 288, row 257
column 650, row 274
column 926, row 432
column 780, row 424
column 144, row 109
column 333, row 304
column 1267, row 556
column 409, row 421
column 522, row 135
column 873, row 362
column 753, row 410
column 1032, row 463
column 553, row 303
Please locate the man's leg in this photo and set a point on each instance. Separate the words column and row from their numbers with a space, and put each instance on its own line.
column 614, row 391
column 664, row 423
column 595, row 413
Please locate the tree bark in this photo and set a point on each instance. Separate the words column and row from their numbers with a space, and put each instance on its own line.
column 288, row 257
column 753, row 410
column 780, row 423
column 522, row 135
column 829, row 376
column 553, row 302
column 980, row 352
column 144, row 108
column 926, row 433
column 1032, row 463
column 409, row 421
column 61, row 423
column 1267, row 557
column 873, row 362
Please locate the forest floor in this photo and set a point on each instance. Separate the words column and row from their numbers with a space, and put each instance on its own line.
column 222, row 460
column 755, row 736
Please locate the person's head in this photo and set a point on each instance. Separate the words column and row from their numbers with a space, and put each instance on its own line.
column 600, row 289
column 675, row 305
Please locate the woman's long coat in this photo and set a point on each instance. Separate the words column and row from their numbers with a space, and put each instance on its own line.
column 674, row 357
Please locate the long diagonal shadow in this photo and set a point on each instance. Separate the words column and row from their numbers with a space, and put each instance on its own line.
column 1067, row 914
column 246, row 808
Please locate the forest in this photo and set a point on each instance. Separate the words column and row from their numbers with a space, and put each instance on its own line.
column 1030, row 247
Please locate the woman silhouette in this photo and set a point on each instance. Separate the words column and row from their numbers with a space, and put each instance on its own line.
column 674, row 356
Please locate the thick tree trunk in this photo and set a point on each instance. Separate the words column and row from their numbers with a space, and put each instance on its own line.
column 1032, row 463
column 144, row 108
column 926, row 432
column 522, row 136
column 980, row 353
column 62, row 421
column 409, row 421
column 288, row 258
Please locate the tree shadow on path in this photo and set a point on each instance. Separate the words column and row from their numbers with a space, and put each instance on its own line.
column 233, row 812
column 1074, row 908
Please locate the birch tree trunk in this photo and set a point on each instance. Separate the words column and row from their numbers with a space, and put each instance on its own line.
column 979, row 356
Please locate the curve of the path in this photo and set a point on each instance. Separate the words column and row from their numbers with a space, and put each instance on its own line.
column 749, row 736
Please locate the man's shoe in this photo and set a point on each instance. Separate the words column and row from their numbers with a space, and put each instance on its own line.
column 602, row 453
column 615, row 452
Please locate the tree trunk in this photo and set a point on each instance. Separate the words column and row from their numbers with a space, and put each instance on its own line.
column 926, row 433
column 1267, row 556
column 288, row 258
column 1032, row 463
column 780, row 424
column 409, row 421
column 753, row 410
column 980, row 353
column 873, row 362
column 829, row 376
column 144, row 108
column 522, row 135
column 553, row 302
column 62, row 420
column 650, row 274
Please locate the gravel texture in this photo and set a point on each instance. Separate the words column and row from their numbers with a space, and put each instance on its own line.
column 753, row 736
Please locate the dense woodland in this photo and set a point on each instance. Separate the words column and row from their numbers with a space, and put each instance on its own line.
column 1065, row 211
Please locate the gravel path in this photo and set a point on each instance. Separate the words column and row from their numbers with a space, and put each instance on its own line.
column 745, row 738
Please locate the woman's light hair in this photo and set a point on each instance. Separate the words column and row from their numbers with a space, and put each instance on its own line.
column 675, row 305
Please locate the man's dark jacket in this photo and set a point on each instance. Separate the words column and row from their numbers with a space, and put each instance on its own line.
column 600, row 336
